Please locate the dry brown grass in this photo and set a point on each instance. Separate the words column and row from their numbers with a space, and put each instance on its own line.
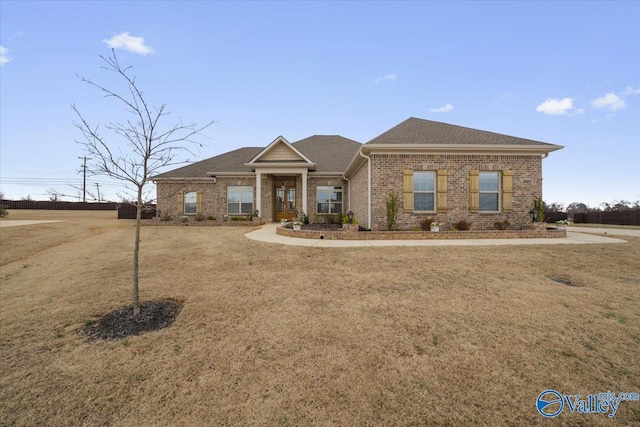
column 276, row 335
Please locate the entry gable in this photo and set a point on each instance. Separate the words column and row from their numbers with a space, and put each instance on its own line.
column 280, row 151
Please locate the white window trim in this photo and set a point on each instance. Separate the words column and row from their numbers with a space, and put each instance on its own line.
column 184, row 207
column 333, row 188
column 253, row 201
column 434, row 192
column 499, row 191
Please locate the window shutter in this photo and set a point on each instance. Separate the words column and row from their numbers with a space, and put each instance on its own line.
column 180, row 202
column 441, row 188
column 507, row 190
column 199, row 202
column 474, row 191
column 407, row 190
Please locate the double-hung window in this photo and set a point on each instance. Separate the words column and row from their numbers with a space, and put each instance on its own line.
column 424, row 190
column 190, row 202
column 329, row 199
column 489, row 190
column 239, row 199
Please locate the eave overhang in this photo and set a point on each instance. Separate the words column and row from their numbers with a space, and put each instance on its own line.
column 442, row 149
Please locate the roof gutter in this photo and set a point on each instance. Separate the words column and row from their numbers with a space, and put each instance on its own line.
column 530, row 149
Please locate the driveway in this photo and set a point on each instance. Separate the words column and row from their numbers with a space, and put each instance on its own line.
column 610, row 231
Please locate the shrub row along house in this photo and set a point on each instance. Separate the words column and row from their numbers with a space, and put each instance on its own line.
column 436, row 169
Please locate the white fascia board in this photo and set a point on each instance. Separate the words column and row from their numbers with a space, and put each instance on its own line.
column 460, row 149
column 257, row 166
column 279, row 139
column 182, row 179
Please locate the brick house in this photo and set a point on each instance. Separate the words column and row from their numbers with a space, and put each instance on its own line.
column 436, row 169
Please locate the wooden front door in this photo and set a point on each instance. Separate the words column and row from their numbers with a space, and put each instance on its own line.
column 284, row 203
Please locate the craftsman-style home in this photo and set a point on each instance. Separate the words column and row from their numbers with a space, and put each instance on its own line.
column 436, row 169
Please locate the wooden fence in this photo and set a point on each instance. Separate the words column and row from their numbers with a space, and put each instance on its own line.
column 628, row 217
column 127, row 211
column 552, row 217
column 59, row 206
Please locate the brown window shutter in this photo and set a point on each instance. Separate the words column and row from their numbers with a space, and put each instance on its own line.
column 199, row 202
column 441, row 187
column 180, row 202
column 507, row 190
column 474, row 191
column 407, row 190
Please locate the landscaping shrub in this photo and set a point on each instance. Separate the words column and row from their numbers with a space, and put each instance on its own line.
column 391, row 202
column 3, row 211
column 502, row 225
column 200, row 217
column 425, row 224
column 211, row 218
column 462, row 225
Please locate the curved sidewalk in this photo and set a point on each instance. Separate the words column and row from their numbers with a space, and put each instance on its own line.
column 267, row 233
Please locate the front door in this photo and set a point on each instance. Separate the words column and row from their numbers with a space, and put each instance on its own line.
column 284, row 203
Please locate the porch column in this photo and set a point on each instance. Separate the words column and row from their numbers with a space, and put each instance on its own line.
column 259, row 192
column 304, row 192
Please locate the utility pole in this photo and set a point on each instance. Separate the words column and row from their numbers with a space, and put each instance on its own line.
column 84, row 180
column 98, row 187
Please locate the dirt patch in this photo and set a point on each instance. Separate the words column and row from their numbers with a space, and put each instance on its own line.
column 154, row 315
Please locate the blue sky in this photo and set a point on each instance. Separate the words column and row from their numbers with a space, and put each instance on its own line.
column 566, row 73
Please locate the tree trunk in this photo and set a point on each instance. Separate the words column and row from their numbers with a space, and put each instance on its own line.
column 136, row 251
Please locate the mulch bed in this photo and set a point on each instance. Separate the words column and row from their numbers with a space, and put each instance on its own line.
column 121, row 323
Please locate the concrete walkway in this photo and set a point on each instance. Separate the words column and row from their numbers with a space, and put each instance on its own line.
column 18, row 222
column 606, row 230
column 267, row 233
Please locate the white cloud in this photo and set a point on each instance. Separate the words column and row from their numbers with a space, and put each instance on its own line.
column 610, row 101
column 128, row 42
column 558, row 107
column 386, row 77
column 444, row 109
column 4, row 56
column 630, row 91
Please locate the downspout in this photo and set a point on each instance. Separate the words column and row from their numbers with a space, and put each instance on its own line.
column 368, row 188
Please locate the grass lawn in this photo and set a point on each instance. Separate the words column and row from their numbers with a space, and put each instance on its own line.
column 290, row 336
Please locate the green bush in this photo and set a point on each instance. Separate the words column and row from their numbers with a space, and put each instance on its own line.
column 3, row 211
column 211, row 218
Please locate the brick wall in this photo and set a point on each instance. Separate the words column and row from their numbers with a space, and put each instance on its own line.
column 214, row 195
column 359, row 195
column 387, row 175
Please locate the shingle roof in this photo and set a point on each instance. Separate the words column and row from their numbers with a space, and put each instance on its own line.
column 331, row 153
column 420, row 131
column 233, row 161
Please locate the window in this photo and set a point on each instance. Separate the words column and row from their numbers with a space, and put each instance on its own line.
column 239, row 199
column 191, row 202
column 329, row 199
column 489, row 191
column 424, row 189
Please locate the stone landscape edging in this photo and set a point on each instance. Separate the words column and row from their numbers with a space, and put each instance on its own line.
column 421, row 235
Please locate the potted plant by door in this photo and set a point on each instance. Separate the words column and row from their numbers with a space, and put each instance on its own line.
column 297, row 225
column 435, row 226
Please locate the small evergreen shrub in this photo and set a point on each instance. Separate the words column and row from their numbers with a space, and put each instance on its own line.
column 462, row 225
column 211, row 218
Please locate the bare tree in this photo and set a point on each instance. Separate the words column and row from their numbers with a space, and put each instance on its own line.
column 54, row 195
column 151, row 146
